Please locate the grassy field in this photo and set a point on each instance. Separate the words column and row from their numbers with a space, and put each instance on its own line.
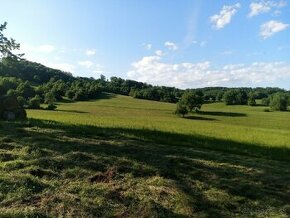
column 123, row 157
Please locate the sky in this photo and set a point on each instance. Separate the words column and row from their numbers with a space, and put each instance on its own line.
column 181, row 43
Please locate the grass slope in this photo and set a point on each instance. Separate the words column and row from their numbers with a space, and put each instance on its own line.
column 122, row 157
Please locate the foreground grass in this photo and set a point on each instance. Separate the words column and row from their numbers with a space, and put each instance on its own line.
column 122, row 157
column 50, row 169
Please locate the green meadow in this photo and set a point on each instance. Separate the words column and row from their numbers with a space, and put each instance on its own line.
column 124, row 157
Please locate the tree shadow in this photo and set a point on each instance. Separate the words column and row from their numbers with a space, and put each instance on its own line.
column 72, row 111
column 218, row 113
column 219, row 178
column 199, row 118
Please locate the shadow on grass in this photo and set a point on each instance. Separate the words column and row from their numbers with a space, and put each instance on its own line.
column 72, row 111
column 218, row 178
column 199, row 118
column 218, row 113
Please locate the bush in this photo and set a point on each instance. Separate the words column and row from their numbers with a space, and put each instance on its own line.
column 51, row 107
column 279, row 102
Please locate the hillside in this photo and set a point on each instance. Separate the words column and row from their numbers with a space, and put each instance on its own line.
column 125, row 157
column 31, row 71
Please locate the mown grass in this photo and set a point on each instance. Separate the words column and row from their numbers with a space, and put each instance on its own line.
column 87, row 161
column 237, row 123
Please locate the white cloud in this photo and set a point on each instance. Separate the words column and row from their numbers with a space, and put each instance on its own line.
column 159, row 53
column 90, row 52
column 87, row 64
column 153, row 70
column 148, row 46
column 272, row 27
column 203, row 43
column 171, row 45
column 225, row 15
column 46, row 48
column 257, row 8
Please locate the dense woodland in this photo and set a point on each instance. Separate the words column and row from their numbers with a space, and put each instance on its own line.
column 33, row 84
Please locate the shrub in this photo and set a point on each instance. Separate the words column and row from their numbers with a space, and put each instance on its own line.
column 279, row 102
column 51, row 107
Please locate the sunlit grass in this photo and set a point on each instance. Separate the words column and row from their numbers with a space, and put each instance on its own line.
column 238, row 123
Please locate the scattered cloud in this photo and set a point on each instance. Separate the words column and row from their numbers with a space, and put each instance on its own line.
column 153, row 70
column 171, row 45
column 271, row 27
column 87, row 64
column 260, row 7
column 225, row 15
column 202, row 43
column 148, row 46
column 160, row 53
column 46, row 48
column 90, row 52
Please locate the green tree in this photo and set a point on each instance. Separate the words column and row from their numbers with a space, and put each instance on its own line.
column 279, row 102
column 192, row 100
column 235, row 97
column 7, row 46
column 49, row 98
column 22, row 102
column 34, row 103
column 181, row 109
column 251, row 100
column 266, row 101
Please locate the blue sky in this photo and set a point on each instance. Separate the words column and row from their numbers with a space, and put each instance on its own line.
column 186, row 43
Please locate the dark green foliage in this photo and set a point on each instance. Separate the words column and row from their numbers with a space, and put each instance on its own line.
column 266, row 101
column 26, row 90
column 34, row 103
column 10, row 109
column 235, row 97
column 251, row 100
column 51, row 107
column 181, row 109
column 192, row 100
column 22, row 101
column 30, row 71
column 49, row 98
column 279, row 102
column 12, row 92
